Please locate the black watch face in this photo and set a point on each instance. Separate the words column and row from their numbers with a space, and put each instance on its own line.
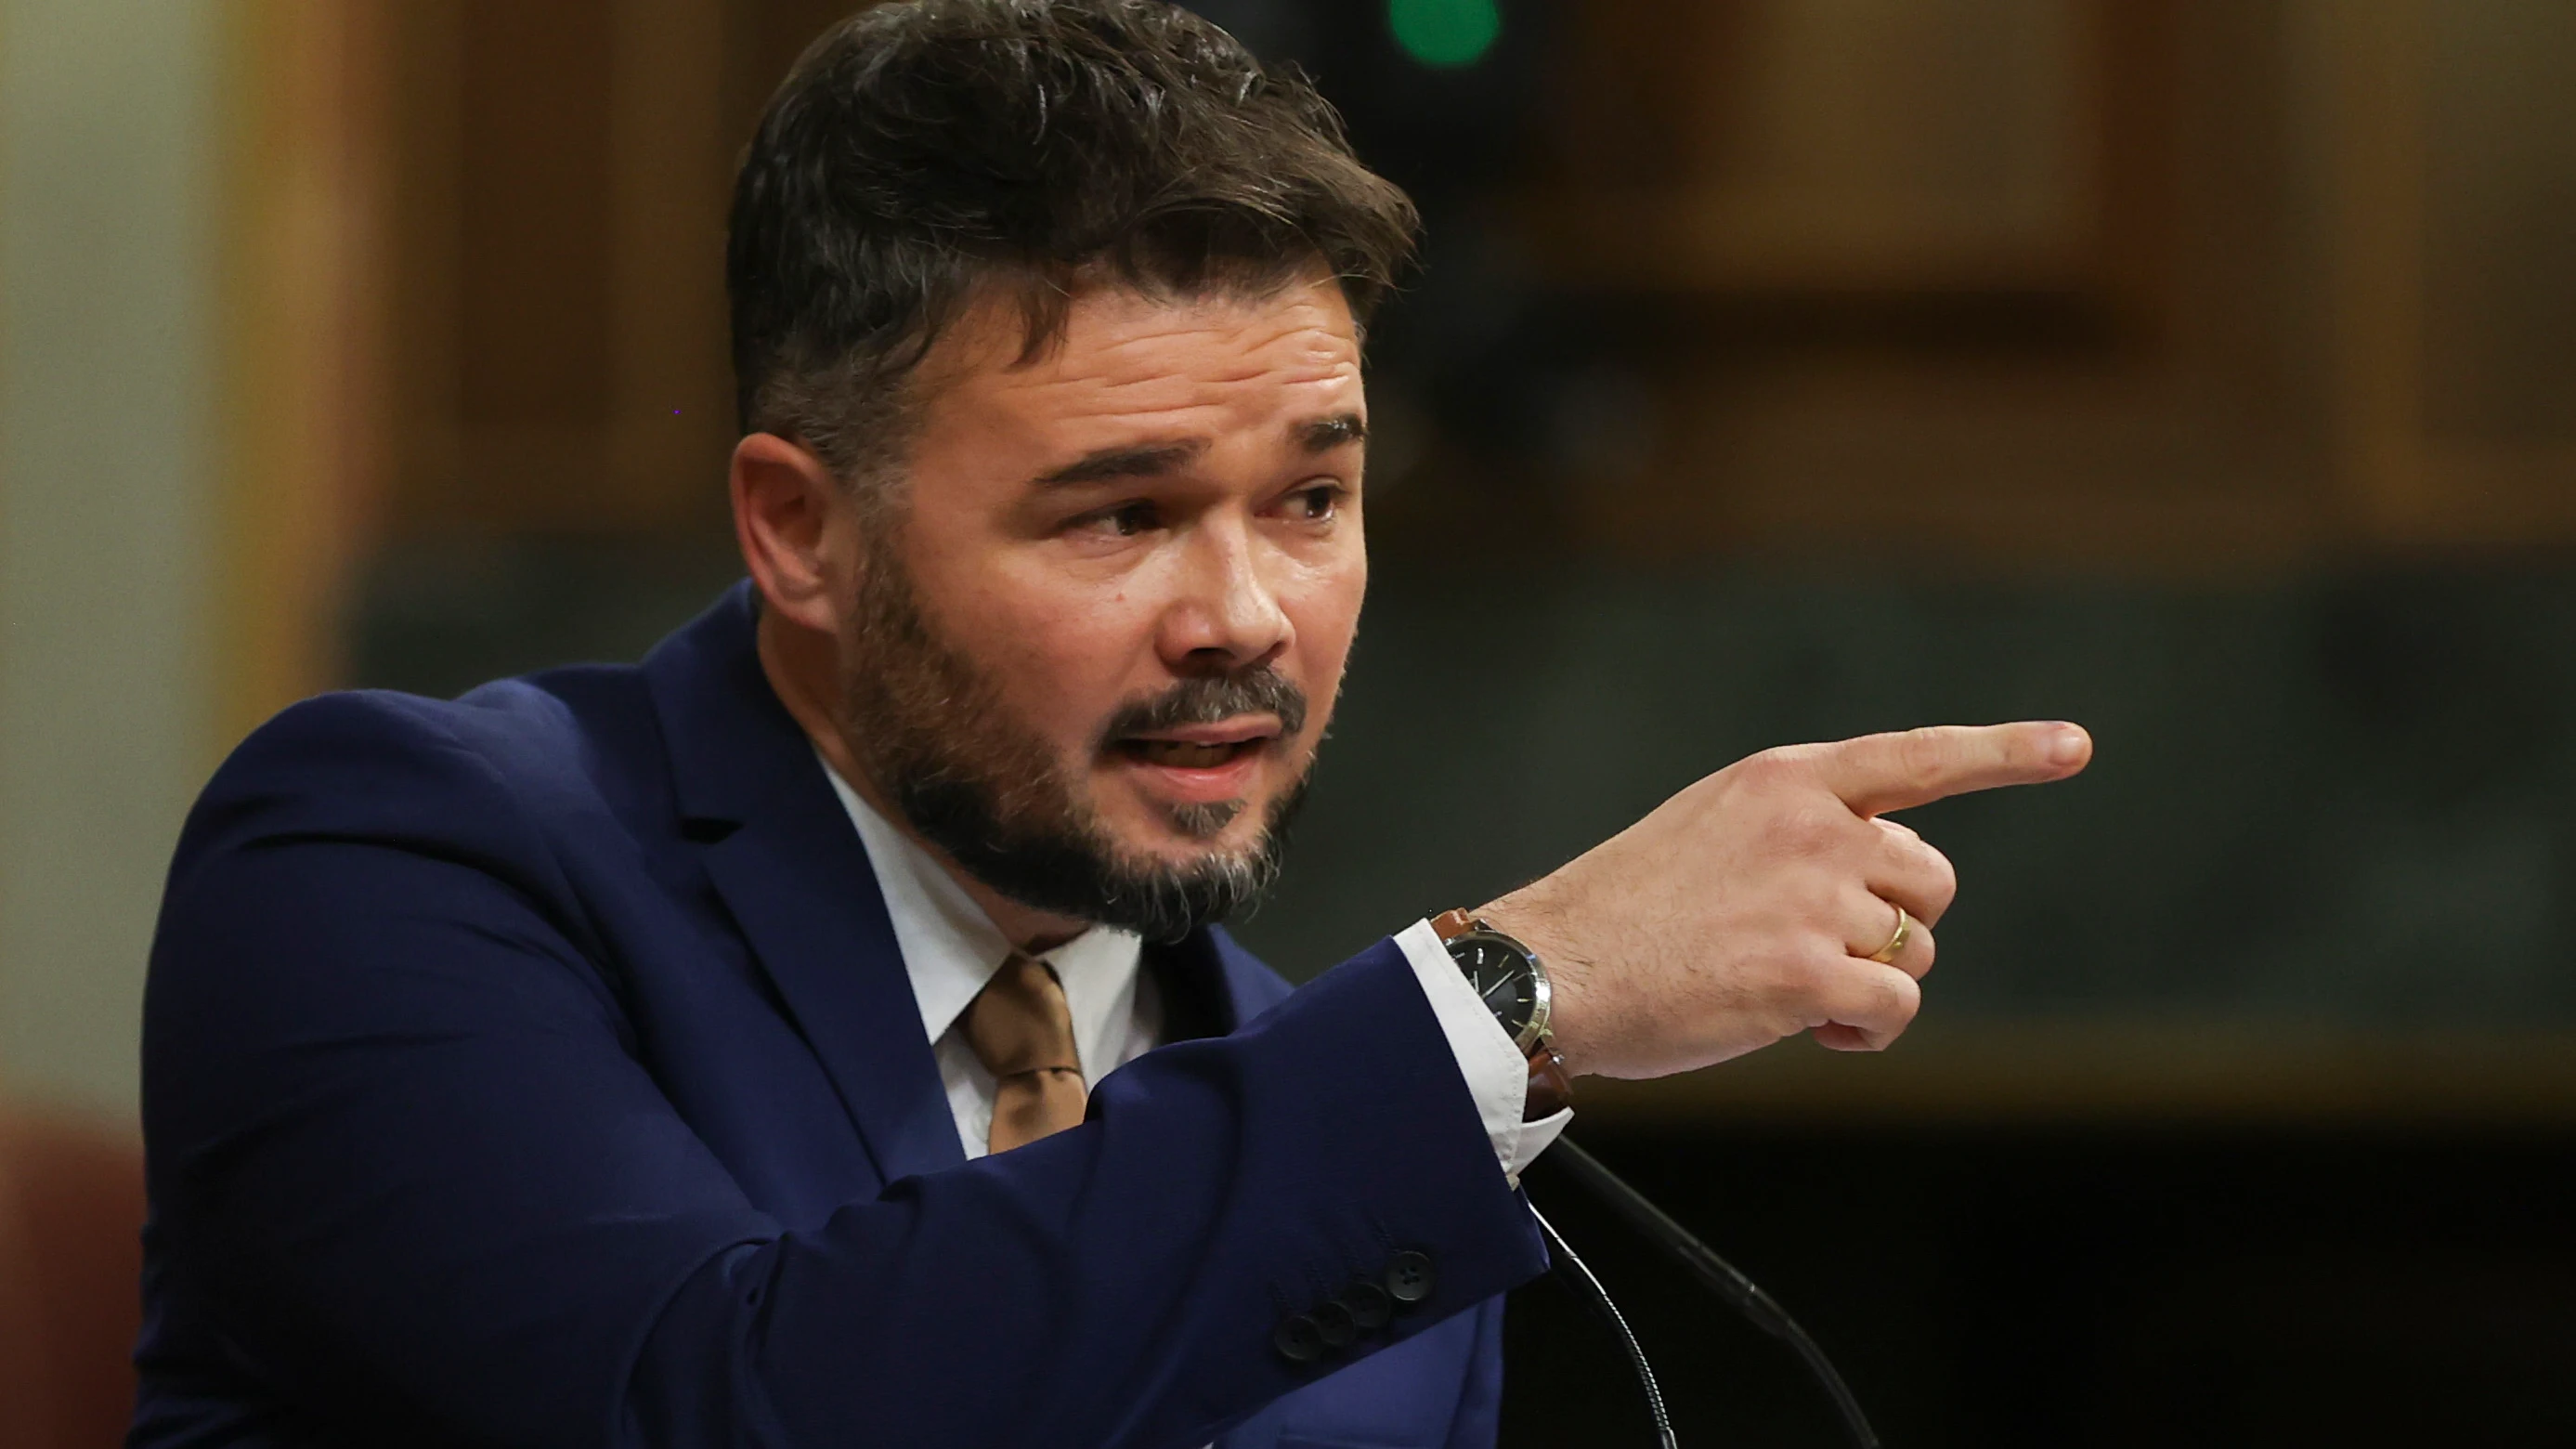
column 1501, row 975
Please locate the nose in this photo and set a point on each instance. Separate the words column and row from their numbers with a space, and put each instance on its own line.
column 1227, row 614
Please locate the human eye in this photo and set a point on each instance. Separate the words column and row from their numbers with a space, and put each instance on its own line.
column 1317, row 502
column 1124, row 520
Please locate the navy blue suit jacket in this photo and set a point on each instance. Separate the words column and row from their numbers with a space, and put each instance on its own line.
column 539, row 1068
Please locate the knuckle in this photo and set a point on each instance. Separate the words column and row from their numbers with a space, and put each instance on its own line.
column 1799, row 978
column 1814, row 902
column 1923, row 751
column 1805, row 829
column 1770, row 769
column 1898, row 999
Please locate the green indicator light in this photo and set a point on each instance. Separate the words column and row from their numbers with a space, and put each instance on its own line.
column 1444, row 34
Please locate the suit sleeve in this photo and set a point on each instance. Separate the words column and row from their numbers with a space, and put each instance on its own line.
column 405, row 1155
column 1479, row 1419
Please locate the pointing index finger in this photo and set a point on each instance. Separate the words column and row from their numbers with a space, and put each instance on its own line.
column 1877, row 773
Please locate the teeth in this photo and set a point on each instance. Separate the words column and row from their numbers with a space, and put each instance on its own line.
column 1180, row 754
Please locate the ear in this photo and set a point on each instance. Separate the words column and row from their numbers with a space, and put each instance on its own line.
column 786, row 505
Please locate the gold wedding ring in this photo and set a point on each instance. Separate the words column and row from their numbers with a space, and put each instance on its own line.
column 1886, row 955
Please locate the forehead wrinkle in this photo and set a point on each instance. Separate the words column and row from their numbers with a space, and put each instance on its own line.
column 1200, row 386
column 1306, row 326
column 1147, row 395
column 1173, row 321
column 1321, row 362
column 993, row 331
column 1171, row 373
column 1202, row 420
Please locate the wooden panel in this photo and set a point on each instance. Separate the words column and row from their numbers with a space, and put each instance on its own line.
column 422, row 299
column 2091, row 283
column 533, row 216
column 559, row 266
column 1997, row 285
column 671, row 422
column 304, row 296
column 2499, row 165
column 1883, row 145
column 2442, row 138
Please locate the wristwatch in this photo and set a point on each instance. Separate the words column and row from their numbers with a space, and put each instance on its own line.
column 1513, row 983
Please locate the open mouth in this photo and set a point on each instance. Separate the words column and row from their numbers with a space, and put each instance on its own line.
column 1182, row 755
column 1201, row 747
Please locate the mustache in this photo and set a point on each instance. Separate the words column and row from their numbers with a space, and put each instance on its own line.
column 1210, row 699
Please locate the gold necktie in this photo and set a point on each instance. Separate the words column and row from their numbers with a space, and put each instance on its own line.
column 1022, row 1032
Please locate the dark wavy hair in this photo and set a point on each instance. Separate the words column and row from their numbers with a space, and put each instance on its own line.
column 922, row 152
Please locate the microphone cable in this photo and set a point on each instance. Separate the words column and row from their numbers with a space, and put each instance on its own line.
column 1720, row 1276
column 1571, row 1267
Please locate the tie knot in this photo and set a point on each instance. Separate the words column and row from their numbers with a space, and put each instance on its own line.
column 1019, row 1022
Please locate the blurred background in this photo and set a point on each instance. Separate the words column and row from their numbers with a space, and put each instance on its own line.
column 2201, row 370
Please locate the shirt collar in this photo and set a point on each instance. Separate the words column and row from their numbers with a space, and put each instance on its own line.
column 951, row 948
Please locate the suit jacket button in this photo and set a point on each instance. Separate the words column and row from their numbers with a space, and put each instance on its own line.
column 1409, row 1277
column 1299, row 1339
column 1369, row 1306
column 1335, row 1323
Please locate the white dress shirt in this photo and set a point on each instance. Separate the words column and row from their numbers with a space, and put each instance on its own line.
column 951, row 948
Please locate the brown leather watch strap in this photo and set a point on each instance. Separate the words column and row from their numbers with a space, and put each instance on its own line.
column 1551, row 1090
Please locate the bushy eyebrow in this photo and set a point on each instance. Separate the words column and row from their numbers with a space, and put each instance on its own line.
column 1323, row 435
column 1154, row 460
column 1157, row 460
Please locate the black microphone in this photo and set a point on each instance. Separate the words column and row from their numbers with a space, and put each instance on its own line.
column 1715, row 1273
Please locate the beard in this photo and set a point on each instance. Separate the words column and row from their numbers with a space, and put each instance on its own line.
column 932, row 730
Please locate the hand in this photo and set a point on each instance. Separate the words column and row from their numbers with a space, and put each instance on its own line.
column 1744, row 909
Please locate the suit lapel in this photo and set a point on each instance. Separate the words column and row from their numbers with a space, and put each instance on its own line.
column 792, row 871
column 1208, row 984
column 790, row 868
column 803, row 893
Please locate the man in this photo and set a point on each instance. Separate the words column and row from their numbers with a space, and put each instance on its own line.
column 820, row 1033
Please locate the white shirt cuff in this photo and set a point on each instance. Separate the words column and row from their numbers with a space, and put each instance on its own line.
column 1496, row 1072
